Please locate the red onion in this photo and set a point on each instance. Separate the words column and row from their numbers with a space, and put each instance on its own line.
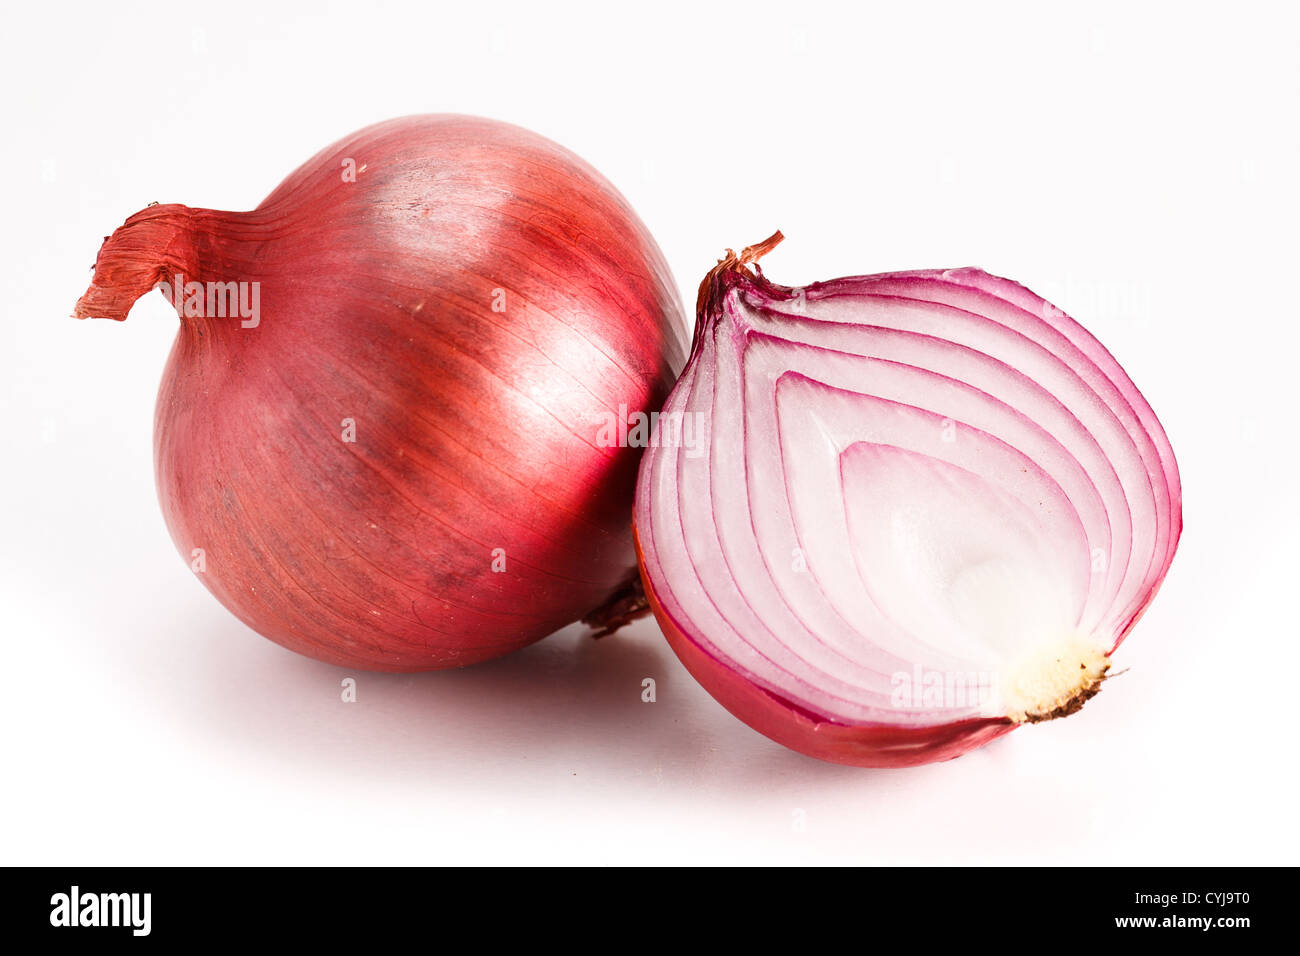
column 890, row 518
column 381, row 450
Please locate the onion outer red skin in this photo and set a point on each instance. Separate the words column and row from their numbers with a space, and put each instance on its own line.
column 862, row 745
column 372, row 555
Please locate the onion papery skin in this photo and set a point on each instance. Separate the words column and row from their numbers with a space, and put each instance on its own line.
column 985, row 450
column 398, row 466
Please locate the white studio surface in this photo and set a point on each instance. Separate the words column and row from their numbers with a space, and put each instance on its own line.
column 1135, row 164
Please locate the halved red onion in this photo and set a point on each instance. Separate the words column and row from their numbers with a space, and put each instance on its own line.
column 889, row 518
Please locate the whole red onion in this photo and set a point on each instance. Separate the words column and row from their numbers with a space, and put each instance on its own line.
column 380, row 434
column 889, row 518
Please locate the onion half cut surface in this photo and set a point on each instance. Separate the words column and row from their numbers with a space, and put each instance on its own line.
column 886, row 519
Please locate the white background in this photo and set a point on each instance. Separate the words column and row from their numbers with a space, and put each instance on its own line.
column 1134, row 163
